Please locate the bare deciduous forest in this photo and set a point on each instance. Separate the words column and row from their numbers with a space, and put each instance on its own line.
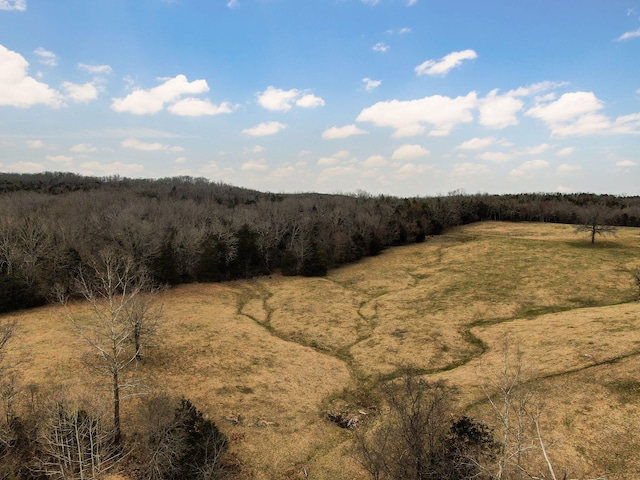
column 184, row 230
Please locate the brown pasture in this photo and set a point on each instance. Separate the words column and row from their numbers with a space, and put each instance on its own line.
column 266, row 358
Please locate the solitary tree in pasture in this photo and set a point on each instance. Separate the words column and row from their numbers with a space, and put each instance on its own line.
column 593, row 222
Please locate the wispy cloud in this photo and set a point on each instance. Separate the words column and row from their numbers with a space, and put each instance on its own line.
column 342, row 132
column 380, row 47
column 629, row 35
column 97, row 168
column 439, row 68
column 264, row 129
column 83, row 148
column 469, row 169
column 370, row 84
column 196, row 107
column 529, row 166
column 18, row 5
column 477, row 143
column 95, row 69
column 565, row 152
column 148, row 147
column 47, row 57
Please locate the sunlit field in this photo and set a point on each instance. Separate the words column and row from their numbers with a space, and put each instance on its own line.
column 266, row 359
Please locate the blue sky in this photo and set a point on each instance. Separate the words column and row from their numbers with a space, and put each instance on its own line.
column 400, row 97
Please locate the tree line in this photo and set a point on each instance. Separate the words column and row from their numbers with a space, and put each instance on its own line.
column 187, row 229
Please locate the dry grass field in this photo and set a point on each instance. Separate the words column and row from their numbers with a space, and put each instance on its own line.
column 267, row 358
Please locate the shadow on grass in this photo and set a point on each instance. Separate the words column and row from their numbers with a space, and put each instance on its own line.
column 599, row 245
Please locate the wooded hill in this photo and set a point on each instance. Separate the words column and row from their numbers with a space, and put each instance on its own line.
column 192, row 230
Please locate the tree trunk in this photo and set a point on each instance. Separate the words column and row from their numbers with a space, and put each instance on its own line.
column 116, row 409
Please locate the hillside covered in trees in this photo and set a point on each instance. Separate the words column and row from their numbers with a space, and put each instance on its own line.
column 192, row 230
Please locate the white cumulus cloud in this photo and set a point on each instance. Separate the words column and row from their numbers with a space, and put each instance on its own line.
column 80, row 93
column 626, row 163
column 17, row 89
column 567, row 108
column 576, row 114
column 264, row 129
column 278, row 100
column 196, row 107
column 310, row 101
column 409, row 152
column 499, row 111
column 411, row 117
column 374, row 161
column 439, row 68
column 144, row 102
column 342, row 132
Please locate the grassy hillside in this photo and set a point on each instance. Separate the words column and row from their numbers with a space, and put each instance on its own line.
column 266, row 358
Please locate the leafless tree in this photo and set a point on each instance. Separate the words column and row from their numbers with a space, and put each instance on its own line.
column 509, row 407
column 593, row 222
column 419, row 437
column 518, row 410
column 121, row 313
column 7, row 384
column 75, row 446
column 636, row 276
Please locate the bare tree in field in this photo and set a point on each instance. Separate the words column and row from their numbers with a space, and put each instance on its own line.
column 7, row 330
column 122, row 317
column 420, row 438
column 75, row 445
column 636, row 276
column 593, row 222
column 517, row 408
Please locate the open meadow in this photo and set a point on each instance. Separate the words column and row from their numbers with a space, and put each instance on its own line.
column 268, row 358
